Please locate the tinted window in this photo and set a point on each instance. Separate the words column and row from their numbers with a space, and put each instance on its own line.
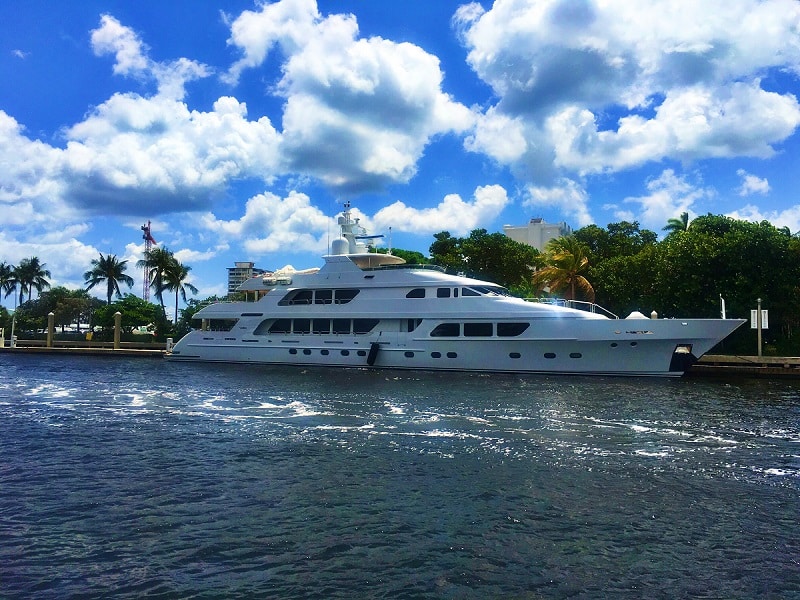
column 221, row 324
column 281, row 326
column 478, row 329
column 362, row 326
column 416, row 293
column 341, row 326
column 469, row 292
column 442, row 292
column 446, row 330
column 344, row 296
column 323, row 296
column 321, row 326
column 511, row 329
column 302, row 325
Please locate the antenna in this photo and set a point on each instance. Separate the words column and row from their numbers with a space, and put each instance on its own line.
column 148, row 245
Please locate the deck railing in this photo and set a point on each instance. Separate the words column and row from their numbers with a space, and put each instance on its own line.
column 576, row 304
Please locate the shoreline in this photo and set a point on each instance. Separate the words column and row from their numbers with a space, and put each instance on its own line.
column 710, row 365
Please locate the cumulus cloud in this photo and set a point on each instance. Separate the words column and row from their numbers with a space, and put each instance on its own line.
column 275, row 224
column 358, row 111
column 567, row 195
column 668, row 196
column 789, row 217
column 751, row 184
column 452, row 213
column 612, row 85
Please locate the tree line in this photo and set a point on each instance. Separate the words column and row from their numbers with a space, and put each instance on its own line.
column 165, row 273
column 622, row 267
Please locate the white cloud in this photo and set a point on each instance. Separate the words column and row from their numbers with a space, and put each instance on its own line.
column 274, row 224
column 669, row 196
column 789, row 217
column 452, row 214
column 567, row 195
column 611, row 85
column 751, row 184
column 358, row 112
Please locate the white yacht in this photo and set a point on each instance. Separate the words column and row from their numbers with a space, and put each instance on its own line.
column 365, row 309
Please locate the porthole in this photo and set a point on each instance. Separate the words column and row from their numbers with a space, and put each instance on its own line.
column 436, row 355
column 324, row 352
column 452, row 355
column 613, row 344
column 345, row 352
column 292, row 350
column 515, row 355
column 634, row 344
column 362, row 352
column 550, row 355
column 306, row 351
column 409, row 354
column 575, row 355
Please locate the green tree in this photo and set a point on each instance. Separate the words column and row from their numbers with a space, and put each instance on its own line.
column 157, row 261
column 490, row 256
column 109, row 270
column 566, row 268
column 677, row 225
column 135, row 312
column 8, row 280
column 31, row 275
column 174, row 279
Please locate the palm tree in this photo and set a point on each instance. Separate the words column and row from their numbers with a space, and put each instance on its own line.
column 175, row 280
column 567, row 263
column 157, row 262
column 8, row 282
column 108, row 269
column 680, row 224
column 30, row 275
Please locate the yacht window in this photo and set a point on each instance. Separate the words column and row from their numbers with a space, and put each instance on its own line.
column 320, row 326
column 469, row 292
column 297, row 297
column 341, row 326
column 362, row 326
column 302, row 326
column 416, row 293
column 278, row 326
column 442, row 292
column 446, row 330
column 413, row 324
column 478, row 329
column 345, row 296
column 511, row 329
column 323, row 296
column 221, row 324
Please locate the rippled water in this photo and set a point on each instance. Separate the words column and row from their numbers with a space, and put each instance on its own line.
column 141, row 478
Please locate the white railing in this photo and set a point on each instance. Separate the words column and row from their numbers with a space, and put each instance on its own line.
column 576, row 304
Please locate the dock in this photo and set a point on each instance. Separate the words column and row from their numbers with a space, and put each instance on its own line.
column 722, row 365
column 81, row 348
column 710, row 365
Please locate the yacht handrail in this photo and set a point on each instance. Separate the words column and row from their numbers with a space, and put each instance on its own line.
column 576, row 304
column 404, row 266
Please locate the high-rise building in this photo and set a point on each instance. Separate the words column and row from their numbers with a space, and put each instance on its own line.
column 240, row 273
column 537, row 233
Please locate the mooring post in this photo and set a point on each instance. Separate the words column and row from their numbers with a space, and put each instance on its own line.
column 51, row 318
column 117, row 327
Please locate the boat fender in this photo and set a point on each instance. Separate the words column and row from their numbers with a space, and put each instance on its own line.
column 373, row 353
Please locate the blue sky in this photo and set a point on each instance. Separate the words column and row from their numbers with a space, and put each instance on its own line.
column 239, row 128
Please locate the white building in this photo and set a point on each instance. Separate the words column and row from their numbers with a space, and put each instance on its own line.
column 537, row 233
column 240, row 273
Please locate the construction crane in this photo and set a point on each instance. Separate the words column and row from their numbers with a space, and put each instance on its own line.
column 149, row 241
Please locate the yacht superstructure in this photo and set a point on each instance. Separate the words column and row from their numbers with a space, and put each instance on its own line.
column 365, row 309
